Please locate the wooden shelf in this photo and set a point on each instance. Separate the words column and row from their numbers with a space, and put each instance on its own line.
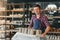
column 15, row 4
column 10, row 17
column 10, row 24
column 9, row 30
column 12, row 10
column 5, row 10
column 21, row 17
column 54, row 32
column 54, row 17
column 17, row 10
column 18, row 31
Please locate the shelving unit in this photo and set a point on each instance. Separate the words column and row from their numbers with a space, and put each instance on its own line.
column 12, row 19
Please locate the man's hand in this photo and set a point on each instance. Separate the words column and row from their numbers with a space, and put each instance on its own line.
column 42, row 35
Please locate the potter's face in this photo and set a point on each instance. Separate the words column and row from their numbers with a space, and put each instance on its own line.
column 36, row 10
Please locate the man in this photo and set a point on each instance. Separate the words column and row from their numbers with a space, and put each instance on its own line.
column 39, row 21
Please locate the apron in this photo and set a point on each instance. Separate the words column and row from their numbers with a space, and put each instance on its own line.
column 37, row 25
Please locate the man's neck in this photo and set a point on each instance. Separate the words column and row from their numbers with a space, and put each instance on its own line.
column 38, row 14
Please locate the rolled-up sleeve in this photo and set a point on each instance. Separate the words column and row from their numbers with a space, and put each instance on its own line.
column 45, row 19
column 31, row 22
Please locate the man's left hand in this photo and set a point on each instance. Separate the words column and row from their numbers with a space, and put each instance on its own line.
column 42, row 35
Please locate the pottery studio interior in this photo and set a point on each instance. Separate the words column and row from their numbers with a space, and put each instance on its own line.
column 29, row 20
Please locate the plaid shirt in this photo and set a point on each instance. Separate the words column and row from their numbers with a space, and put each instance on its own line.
column 43, row 19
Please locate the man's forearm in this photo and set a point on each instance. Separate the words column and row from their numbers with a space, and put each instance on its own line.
column 47, row 30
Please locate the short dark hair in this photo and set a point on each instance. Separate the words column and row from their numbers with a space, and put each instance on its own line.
column 37, row 5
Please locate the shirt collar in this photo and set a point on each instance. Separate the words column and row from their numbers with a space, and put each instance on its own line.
column 40, row 15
